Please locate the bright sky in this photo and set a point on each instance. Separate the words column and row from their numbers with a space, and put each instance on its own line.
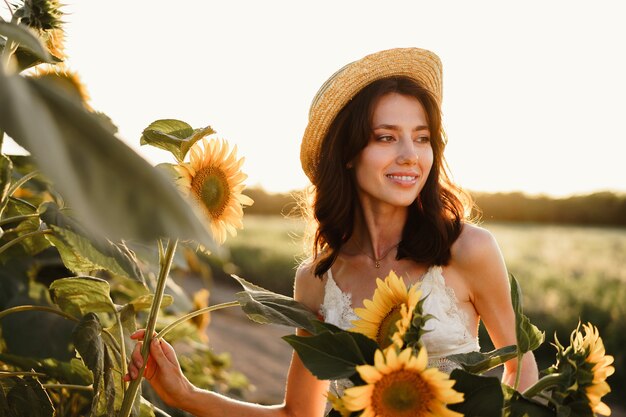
column 534, row 91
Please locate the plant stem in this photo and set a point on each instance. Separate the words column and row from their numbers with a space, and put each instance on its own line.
column 518, row 372
column 545, row 382
column 69, row 386
column 193, row 314
column 26, row 203
column 36, row 308
column 23, row 237
column 61, row 313
column 6, row 374
column 22, row 181
column 17, row 219
column 133, row 388
column 122, row 348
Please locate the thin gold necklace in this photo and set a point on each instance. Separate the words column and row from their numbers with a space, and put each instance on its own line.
column 373, row 258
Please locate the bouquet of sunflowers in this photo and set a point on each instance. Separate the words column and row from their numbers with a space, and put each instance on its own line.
column 384, row 367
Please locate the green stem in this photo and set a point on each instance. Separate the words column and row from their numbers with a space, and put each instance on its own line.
column 193, row 314
column 23, row 237
column 18, row 309
column 61, row 313
column 133, row 388
column 122, row 348
column 545, row 382
column 17, row 219
column 69, row 386
column 5, row 374
column 518, row 372
column 17, row 184
column 26, row 203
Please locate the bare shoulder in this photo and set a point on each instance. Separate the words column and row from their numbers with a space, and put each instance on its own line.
column 308, row 289
column 475, row 247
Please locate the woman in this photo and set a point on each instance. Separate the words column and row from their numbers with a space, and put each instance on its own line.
column 373, row 150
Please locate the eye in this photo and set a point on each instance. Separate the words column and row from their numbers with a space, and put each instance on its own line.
column 422, row 139
column 385, row 138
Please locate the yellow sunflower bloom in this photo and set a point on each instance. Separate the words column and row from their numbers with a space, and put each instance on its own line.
column 389, row 312
column 401, row 385
column 213, row 178
column 590, row 344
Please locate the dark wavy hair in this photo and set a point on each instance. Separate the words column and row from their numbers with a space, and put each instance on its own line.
column 435, row 218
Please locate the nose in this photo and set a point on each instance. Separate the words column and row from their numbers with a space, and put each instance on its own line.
column 407, row 153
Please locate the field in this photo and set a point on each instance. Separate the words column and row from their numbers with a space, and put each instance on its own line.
column 568, row 274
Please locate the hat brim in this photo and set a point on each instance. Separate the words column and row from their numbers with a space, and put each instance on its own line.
column 418, row 64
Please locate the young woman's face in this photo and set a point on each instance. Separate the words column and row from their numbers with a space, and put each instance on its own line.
column 395, row 164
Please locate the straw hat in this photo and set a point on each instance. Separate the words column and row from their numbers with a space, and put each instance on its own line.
column 419, row 64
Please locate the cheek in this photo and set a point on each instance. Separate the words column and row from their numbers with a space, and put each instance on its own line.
column 426, row 159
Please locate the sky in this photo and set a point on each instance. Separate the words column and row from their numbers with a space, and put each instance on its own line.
column 534, row 91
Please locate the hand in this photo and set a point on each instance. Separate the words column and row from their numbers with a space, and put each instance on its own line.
column 162, row 371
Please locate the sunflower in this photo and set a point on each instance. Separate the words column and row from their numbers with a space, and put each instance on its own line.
column 388, row 312
column 338, row 405
column 400, row 385
column 591, row 347
column 212, row 177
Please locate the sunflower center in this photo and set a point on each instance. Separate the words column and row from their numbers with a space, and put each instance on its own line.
column 401, row 393
column 210, row 186
column 388, row 327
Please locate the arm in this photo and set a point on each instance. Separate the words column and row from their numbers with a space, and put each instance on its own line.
column 480, row 259
column 305, row 394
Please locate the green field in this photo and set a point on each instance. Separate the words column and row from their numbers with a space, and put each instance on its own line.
column 568, row 274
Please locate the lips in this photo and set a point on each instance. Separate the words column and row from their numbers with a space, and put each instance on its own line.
column 403, row 178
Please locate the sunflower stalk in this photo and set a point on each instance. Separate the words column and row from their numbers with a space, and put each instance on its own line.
column 545, row 382
column 193, row 314
column 165, row 262
column 24, row 237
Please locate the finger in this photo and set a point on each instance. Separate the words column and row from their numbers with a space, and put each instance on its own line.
column 156, row 351
column 140, row 334
column 136, row 356
column 151, row 368
column 169, row 352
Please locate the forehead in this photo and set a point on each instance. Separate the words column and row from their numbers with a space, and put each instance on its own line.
column 394, row 108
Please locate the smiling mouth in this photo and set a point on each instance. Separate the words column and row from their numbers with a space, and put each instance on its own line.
column 404, row 178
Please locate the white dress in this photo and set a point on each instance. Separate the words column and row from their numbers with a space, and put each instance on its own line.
column 448, row 333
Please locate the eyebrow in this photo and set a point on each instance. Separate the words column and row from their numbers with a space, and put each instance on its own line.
column 394, row 127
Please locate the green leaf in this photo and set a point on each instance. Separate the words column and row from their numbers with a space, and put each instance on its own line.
column 6, row 168
column 114, row 190
column 26, row 37
column 72, row 372
column 333, row 355
column 144, row 302
column 263, row 306
column 30, row 246
column 21, row 397
column 478, row 362
column 529, row 337
column 82, row 251
column 483, row 395
column 80, row 295
column 88, row 342
column 517, row 405
column 174, row 136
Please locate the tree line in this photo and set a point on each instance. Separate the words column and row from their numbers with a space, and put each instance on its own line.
column 600, row 209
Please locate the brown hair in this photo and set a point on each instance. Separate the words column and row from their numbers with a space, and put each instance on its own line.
column 435, row 217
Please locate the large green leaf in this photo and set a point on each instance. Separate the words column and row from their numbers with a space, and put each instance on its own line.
column 483, row 395
column 80, row 295
column 529, row 337
column 82, row 251
column 478, row 362
column 6, row 168
column 331, row 355
column 26, row 37
column 517, row 405
column 24, row 397
column 263, row 306
column 114, row 190
column 174, row 136
column 89, row 344
column 72, row 372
